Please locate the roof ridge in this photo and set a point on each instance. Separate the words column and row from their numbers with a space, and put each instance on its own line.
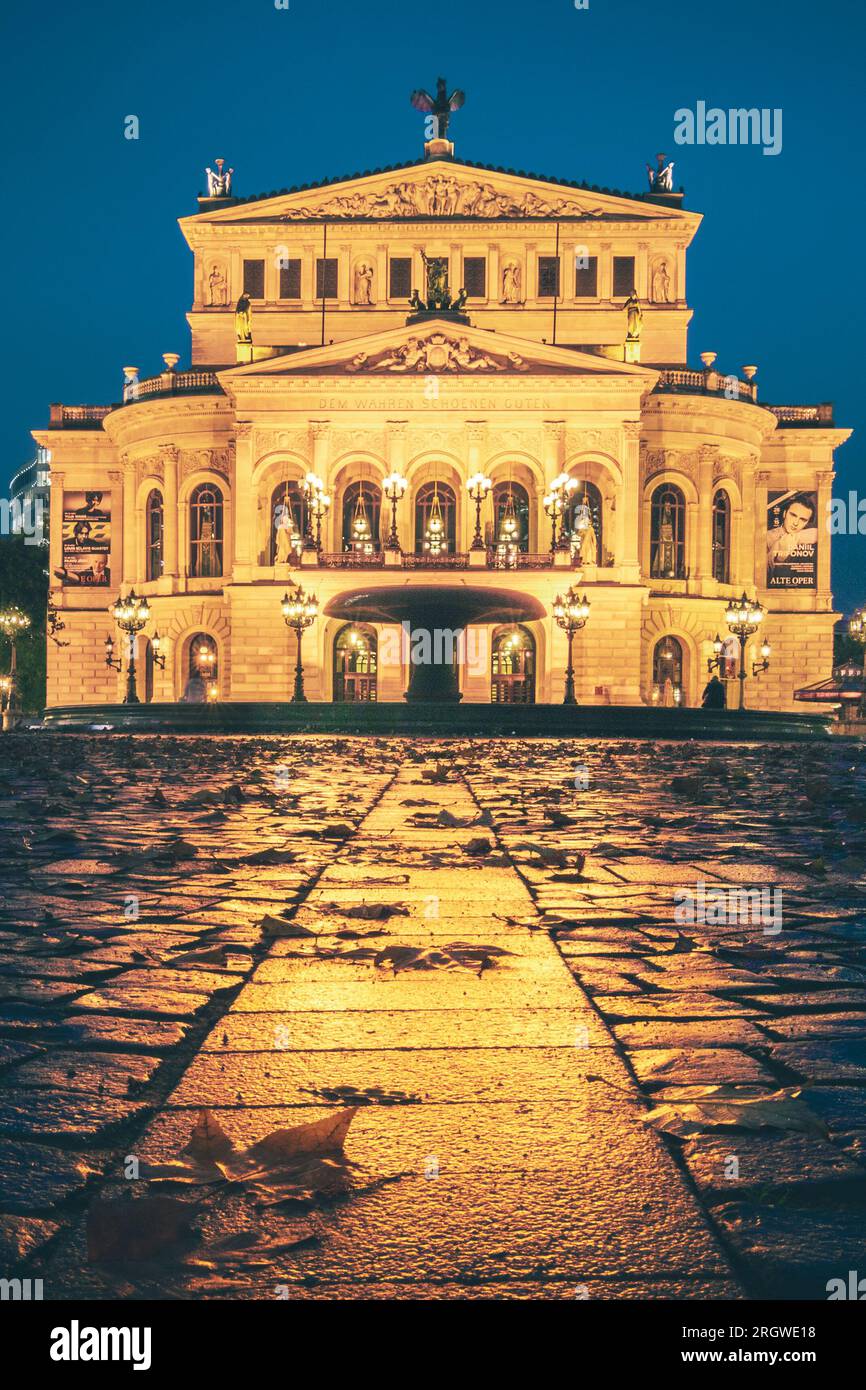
column 466, row 163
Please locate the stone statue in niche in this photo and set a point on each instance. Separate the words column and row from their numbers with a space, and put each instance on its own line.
column 244, row 319
column 634, row 318
column 661, row 283
column 364, row 283
column 511, row 283
column 217, row 288
column 588, row 554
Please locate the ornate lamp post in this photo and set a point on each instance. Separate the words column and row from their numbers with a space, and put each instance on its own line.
column 320, row 504
column 555, row 504
column 571, row 612
column 479, row 485
column 314, row 491
column 131, row 614
column 13, row 624
column 744, row 616
column 300, row 610
column 394, row 486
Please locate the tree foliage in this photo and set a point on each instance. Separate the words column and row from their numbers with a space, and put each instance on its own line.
column 24, row 583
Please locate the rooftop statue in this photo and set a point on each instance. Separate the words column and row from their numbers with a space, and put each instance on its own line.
column 661, row 179
column 440, row 106
column 219, row 184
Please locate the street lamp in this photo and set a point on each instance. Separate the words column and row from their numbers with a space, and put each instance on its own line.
column 314, row 492
column 319, row 506
column 300, row 609
column 744, row 616
column 394, row 486
column 717, row 661
column 13, row 624
column 157, row 652
column 131, row 614
column 571, row 612
column 555, row 504
column 479, row 485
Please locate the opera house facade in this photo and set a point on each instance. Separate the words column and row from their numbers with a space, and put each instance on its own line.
column 438, row 396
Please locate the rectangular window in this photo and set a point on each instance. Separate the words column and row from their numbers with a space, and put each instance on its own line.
column 623, row 276
column 548, row 277
column 290, row 279
column 475, row 276
column 326, row 278
column 586, row 277
column 400, row 278
column 254, row 279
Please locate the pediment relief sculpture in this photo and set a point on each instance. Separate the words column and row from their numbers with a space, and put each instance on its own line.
column 443, row 196
column 438, row 353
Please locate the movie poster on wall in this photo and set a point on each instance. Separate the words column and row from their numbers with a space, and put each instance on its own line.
column 86, row 539
column 792, row 540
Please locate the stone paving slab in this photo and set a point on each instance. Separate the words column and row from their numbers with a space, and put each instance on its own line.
column 551, row 1178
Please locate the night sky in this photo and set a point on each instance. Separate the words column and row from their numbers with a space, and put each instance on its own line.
column 98, row 275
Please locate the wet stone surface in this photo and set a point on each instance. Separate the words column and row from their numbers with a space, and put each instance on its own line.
column 585, row 1052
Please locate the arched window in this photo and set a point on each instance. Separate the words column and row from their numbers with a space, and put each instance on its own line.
column 206, row 532
column 510, row 516
column 722, row 537
column 668, row 534
column 362, row 509
column 154, row 523
column 582, row 523
column 512, row 677
column 435, row 520
column 202, row 669
column 668, row 671
column 288, row 523
column 355, row 663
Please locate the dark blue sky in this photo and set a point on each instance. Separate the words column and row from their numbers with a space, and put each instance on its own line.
column 99, row 275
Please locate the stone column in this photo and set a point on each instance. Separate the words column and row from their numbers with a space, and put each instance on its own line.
column 553, row 458
column 707, row 456
column 320, row 452
column 130, row 566
column 476, row 433
column 243, row 510
column 605, row 271
column 170, row 558
column 494, row 286
column 380, row 284
column 825, row 492
column 758, row 536
column 395, row 445
column 55, row 527
column 629, row 504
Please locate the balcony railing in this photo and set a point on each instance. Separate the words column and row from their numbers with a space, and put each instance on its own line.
column 77, row 417
column 706, row 383
column 194, row 383
column 803, row 414
column 351, row 560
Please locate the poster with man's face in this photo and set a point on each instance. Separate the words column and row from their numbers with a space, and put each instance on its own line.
column 792, row 540
column 86, row 539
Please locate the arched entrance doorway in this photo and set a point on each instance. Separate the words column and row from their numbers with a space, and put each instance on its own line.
column 202, row 670
column 668, row 672
column 355, row 664
column 512, row 677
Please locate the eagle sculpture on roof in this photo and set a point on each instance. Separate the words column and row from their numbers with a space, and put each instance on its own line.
column 439, row 106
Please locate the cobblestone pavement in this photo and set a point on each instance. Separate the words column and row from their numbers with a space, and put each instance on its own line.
column 292, row 1017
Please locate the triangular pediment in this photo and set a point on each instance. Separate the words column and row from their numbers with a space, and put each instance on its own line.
column 446, row 189
column 434, row 347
